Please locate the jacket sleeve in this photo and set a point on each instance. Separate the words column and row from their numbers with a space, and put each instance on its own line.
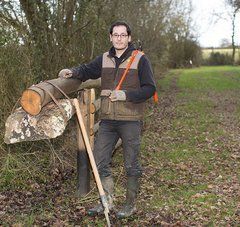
column 91, row 70
column 147, row 82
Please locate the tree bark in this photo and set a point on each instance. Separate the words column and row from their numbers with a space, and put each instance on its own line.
column 50, row 123
column 233, row 37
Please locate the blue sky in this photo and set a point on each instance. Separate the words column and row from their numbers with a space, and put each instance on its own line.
column 211, row 29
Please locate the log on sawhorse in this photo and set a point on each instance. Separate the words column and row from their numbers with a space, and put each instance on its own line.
column 51, row 123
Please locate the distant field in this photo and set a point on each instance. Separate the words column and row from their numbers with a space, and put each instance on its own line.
column 206, row 52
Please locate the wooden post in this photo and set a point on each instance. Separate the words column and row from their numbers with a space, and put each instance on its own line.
column 86, row 98
column 91, row 117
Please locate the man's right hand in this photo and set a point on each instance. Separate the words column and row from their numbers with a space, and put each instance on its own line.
column 65, row 73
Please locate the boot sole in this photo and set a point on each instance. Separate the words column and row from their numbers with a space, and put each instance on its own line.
column 119, row 216
column 92, row 214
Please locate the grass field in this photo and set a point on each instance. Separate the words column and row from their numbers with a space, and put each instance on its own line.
column 190, row 155
column 197, row 147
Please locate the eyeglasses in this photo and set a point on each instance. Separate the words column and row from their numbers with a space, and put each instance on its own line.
column 122, row 36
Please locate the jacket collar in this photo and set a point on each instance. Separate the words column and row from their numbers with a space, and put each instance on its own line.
column 127, row 53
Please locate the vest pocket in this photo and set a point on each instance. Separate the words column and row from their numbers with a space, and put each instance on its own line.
column 129, row 109
column 106, row 105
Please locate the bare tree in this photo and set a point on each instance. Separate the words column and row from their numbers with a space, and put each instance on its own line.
column 235, row 8
column 64, row 33
column 225, row 43
column 56, row 32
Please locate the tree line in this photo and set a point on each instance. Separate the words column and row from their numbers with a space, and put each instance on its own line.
column 54, row 34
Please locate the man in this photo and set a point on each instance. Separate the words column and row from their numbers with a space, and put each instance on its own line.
column 121, row 110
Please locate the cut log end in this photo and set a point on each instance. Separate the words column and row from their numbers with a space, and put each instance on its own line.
column 31, row 102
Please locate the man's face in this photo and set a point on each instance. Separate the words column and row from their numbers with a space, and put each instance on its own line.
column 120, row 37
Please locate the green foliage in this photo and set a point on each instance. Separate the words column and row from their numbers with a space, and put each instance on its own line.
column 217, row 58
column 23, row 163
column 14, row 172
column 184, row 53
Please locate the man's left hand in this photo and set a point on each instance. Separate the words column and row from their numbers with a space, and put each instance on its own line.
column 118, row 95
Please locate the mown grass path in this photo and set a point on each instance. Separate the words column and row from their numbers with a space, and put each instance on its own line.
column 192, row 148
column 190, row 155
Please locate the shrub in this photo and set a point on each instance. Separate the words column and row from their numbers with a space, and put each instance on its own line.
column 216, row 58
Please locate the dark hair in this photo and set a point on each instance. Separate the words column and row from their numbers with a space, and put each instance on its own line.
column 119, row 23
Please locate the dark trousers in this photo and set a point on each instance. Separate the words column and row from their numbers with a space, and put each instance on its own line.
column 109, row 133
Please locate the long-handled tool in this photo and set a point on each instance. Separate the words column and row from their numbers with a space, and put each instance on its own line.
column 92, row 162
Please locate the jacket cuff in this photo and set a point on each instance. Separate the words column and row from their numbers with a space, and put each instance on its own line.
column 75, row 74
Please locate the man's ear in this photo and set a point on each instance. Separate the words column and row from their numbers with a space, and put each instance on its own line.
column 129, row 38
column 110, row 37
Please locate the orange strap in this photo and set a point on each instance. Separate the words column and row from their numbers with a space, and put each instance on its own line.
column 135, row 52
column 155, row 96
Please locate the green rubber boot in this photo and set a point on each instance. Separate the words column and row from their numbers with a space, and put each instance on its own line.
column 107, row 183
column 132, row 190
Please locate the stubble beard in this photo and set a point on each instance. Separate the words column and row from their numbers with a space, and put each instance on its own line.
column 120, row 48
column 123, row 48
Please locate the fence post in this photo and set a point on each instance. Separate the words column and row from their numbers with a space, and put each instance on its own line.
column 83, row 171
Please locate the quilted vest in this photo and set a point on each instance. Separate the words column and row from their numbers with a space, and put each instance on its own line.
column 120, row 110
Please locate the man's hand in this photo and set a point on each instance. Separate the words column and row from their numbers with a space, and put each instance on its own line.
column 106, row 93
column 118, row 95
column 65, row 73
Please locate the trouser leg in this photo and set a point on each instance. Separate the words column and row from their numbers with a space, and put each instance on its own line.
column 105, row 142
column 104, row 146
column 130, row 134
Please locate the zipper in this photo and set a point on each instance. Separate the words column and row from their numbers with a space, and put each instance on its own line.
column 111, row 104
column 117, row 70
column 114, row 83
